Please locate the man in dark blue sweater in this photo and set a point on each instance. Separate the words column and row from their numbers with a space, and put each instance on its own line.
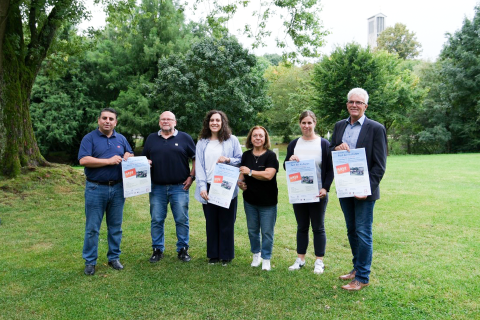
column 169, row 152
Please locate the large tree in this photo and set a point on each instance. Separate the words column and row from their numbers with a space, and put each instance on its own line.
column 213, row 74
column 460, row 95
column 393, row 90
column 398, row 39
column 23, row 49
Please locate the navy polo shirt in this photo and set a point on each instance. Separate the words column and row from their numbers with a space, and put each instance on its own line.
column 96, row 144
column 170, row 157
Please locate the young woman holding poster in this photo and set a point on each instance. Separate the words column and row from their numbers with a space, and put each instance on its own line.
column 258, row 180
column 216, row 144
column 311, row 146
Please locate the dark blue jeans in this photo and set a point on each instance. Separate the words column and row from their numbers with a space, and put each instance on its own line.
column 100, row 200
column 178, row 198
column 359, row 219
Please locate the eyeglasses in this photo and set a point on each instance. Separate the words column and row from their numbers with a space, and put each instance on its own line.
column 165, row 120
column 356, row 103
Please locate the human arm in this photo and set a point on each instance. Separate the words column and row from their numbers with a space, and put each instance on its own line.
column 200, row 173
column 290, row 149
column 234, row 152
column 91, row 162
column 241, row 182
column 266, row 175
column 187, row 183
column 378, row 159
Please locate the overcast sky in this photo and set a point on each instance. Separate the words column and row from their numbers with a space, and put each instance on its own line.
column 347, row 21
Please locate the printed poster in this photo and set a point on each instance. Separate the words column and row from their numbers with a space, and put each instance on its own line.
column 136, row 176
column 225, row 179
column 302, row 181
column 351, row 173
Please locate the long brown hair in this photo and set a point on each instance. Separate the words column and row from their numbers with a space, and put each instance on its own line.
column 225, row 131
column 249, row 144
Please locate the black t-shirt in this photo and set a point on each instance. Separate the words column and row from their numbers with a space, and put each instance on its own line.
column 261, row 193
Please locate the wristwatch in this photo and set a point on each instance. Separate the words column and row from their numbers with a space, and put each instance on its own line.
column 193, row 177
column 250, row 173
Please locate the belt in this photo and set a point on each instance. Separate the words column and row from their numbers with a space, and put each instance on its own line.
column 105, row 183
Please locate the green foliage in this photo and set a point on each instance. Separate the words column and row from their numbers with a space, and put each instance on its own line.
column 393, row 91
column 274, row 58
column 290, row 90
column 398, row 39
column 460, row 74
column 301, row 29
column 213, row 74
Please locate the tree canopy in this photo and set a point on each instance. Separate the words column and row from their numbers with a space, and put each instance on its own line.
column 398, row 39
column 213, row 74
column 392, row 91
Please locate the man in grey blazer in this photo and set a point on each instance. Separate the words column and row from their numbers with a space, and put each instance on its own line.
column 357, row 131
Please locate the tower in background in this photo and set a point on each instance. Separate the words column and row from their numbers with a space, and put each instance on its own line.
column 376, row 25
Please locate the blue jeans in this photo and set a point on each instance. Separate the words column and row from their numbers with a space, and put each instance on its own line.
column 100, row 199
column 160, row 196
column 359, row 219
column 261, row 219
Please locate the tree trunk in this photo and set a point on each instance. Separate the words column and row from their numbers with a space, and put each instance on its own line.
column 18, row 147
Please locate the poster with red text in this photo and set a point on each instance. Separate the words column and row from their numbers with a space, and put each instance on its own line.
column 351, row 173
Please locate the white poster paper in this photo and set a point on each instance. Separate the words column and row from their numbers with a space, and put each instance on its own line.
column 225, row 179
column 351, row 173
column 136, row 176
column 302, row 181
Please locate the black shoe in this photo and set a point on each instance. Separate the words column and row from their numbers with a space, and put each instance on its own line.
column 226, row 262
column 89, row 270
column 183, row 255
column 115, row 264
column 213, row 261
column 156, row 256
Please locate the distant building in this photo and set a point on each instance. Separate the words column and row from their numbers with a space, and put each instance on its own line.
column 376, row 25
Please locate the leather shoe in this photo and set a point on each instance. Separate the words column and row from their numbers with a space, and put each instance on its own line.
column 183, row 255
column 349, row 276
column 355, row 285
column 157, row 255
column 89, row 270
column 115, row 264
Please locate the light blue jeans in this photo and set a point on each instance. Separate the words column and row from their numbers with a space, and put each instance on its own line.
column 261, row 219
column 359, row 219
column 100, row 199
column 178, row 198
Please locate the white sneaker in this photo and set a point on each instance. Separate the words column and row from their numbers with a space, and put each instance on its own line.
column 297, row 265
column 319, row 267
column 266, row 265
column 257, row 258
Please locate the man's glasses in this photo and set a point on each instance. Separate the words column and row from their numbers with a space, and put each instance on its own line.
column 165, row 120
column 356, row 103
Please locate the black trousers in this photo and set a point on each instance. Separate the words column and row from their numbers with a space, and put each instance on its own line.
column 313, row 213
column 220, row 223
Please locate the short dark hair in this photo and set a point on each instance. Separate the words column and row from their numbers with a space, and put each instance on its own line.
column 225, row 131
column 108, row 110
column 307, row 113
column 249, row 144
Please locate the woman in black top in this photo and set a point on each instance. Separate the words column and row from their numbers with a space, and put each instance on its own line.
column 312, row 146
column 258, row 180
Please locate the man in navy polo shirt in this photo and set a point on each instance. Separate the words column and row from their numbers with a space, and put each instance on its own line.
column 101, row 153
column 169, row 151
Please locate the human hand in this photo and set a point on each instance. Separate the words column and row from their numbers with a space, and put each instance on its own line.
column 342, row 146
column 127, row 155
column 244, row 170
column 294, row 158
column 187, row 183
column 242, row 185
column 223, row 159
column 322, row 194
column 114, row 160
column 204, row 194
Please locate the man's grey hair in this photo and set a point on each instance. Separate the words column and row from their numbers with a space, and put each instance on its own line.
column 359, row 92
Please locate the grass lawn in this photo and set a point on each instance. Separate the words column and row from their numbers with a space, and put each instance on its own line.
column 426, row 262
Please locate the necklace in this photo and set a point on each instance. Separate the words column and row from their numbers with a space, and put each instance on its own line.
column 257, row 157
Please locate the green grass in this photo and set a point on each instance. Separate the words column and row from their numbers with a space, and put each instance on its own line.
column 426, row 261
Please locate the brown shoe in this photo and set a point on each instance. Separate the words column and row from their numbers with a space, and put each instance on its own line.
column 349, row 276
column 355, row 285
